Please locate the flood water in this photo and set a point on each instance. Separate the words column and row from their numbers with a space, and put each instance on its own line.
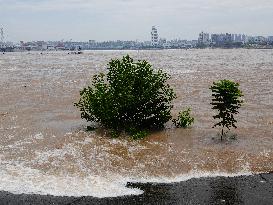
column 45, row 149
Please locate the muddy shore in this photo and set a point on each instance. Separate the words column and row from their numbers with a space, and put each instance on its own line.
column 255, row 189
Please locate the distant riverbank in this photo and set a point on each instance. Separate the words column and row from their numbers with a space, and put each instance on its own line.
column 135, row 49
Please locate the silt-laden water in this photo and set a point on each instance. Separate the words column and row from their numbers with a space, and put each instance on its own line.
column 44, row 147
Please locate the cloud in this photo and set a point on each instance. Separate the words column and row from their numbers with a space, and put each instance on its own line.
column 131, row 19
column 152, row 5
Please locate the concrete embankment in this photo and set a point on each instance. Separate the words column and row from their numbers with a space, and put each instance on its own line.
column 250, row 190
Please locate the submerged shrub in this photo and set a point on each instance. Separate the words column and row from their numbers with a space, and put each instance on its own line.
column 227, row 100
column 184, row 119
column 130, row 95
column 137, row 134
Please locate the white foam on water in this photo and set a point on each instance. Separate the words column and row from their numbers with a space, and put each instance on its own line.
column 190, row 175
column 17, row 177
column 18, row 180
column 38, row 136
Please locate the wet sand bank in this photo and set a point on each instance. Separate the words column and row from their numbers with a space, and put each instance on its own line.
column 250, row 190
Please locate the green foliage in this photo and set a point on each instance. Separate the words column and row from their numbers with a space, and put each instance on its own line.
column 184, row 119
column 114, row 133
column 227, row 100
column 140, row 135
column 130, row 94
column 90, row 128
column 136, row 133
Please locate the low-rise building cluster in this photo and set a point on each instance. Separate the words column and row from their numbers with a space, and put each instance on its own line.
column 233, row 40
column 222, row 40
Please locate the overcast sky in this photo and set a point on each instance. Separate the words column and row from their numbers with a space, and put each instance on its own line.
column 132, row 19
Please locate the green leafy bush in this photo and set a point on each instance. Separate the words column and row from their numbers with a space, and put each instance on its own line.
column 184, row 119
column 130, row 95
column 227, row 100
column 137, row 133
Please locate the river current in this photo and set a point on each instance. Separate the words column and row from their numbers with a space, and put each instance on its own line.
column 45, row 149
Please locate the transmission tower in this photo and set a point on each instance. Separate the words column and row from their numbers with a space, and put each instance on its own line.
column 1, row 35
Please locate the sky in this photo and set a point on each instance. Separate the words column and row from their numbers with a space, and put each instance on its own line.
column 83, row 20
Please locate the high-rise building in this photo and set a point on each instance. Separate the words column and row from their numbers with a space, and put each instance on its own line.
column 233, row 37
column 270, row 39
column 238, row 38
column 203, row 38
column 221, row 39
column 244, row 38
column 228, row 38
column 215, row 38
column 154, row 36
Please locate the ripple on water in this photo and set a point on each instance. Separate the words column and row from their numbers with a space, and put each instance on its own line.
column 43, row 149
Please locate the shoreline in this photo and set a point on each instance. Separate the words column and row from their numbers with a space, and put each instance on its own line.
column 142, row 49
column 253, row 189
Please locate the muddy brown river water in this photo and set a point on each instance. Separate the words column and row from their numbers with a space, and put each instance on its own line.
column 45, row 149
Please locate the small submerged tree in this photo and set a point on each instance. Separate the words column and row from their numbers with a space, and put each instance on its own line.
column 184, row 119
column 131, row 97
column 227, row 100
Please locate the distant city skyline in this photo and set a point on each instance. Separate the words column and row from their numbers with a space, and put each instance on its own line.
column 101, row 20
